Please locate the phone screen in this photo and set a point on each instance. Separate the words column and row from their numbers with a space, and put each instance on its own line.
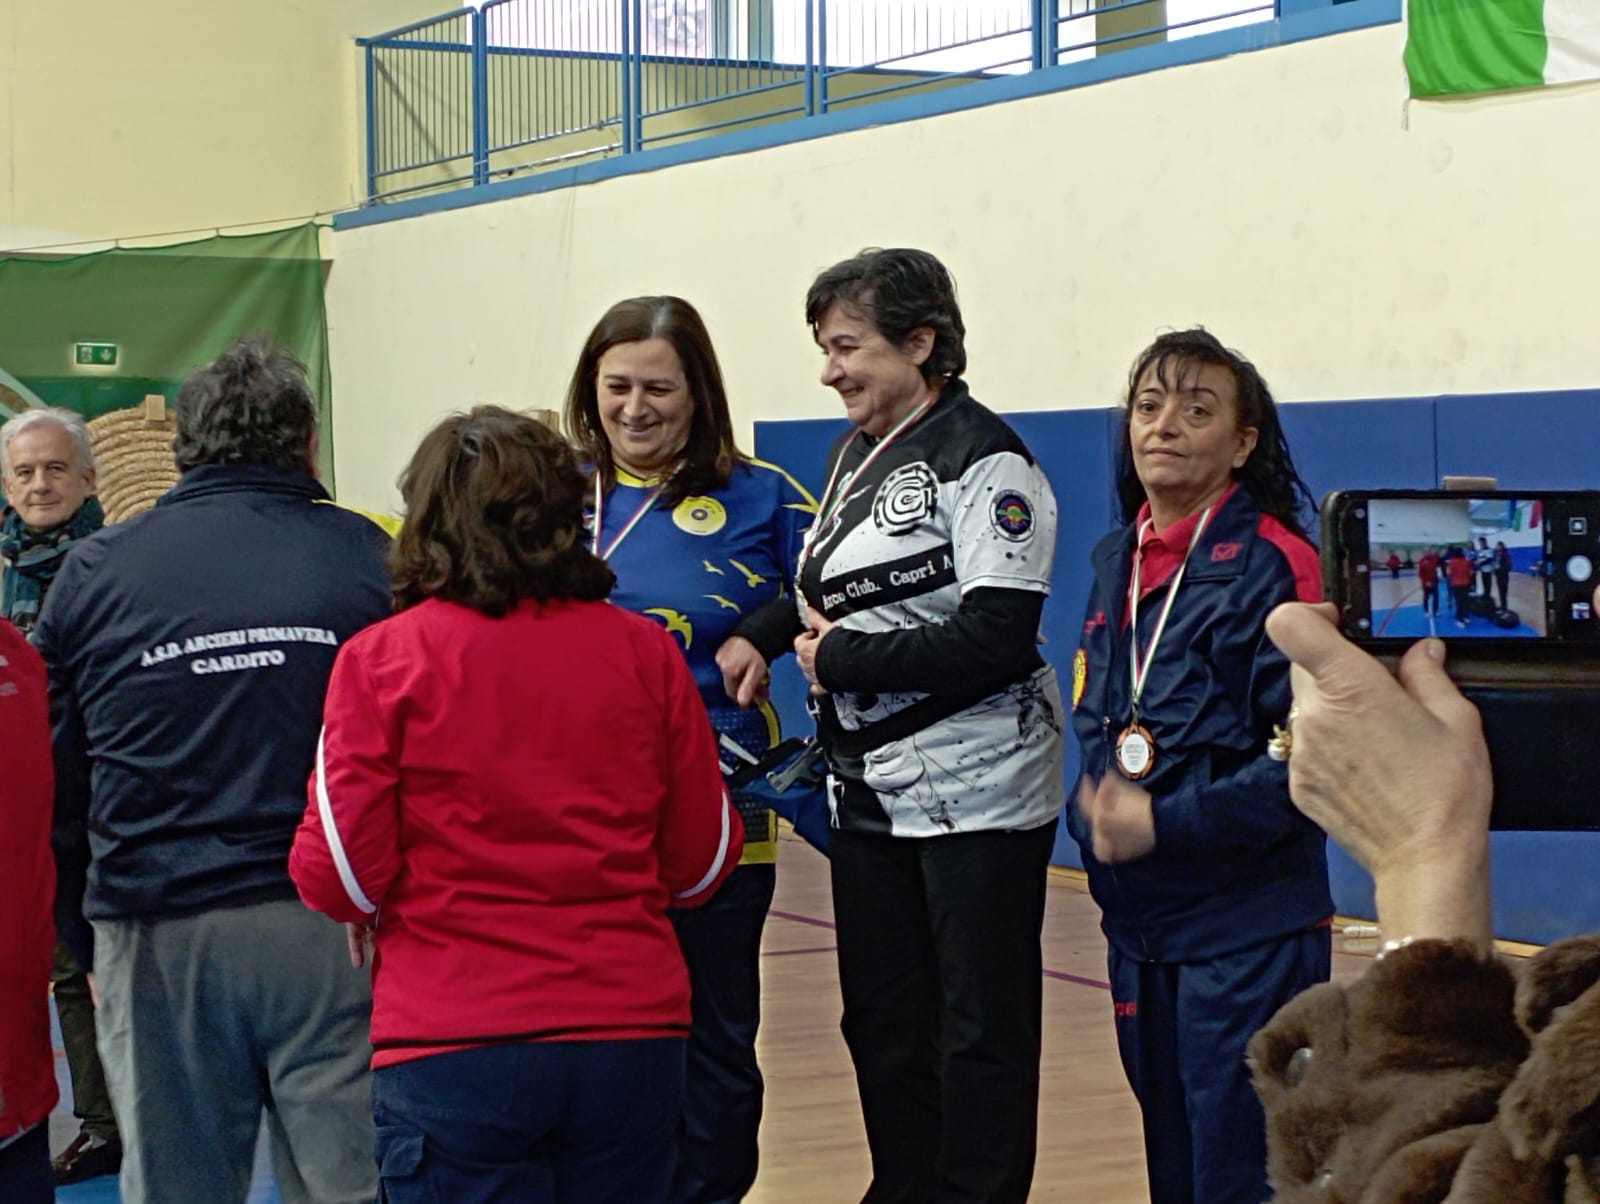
column 1500, row 566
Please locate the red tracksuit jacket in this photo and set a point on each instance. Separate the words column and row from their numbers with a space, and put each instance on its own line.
column 27, row 888
column 517, row 802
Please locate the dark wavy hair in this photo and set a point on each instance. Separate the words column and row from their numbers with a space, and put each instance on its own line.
column 898, row 290
column 494, row 514
column 710, row 454
column 1269, row 474
column 250, row 405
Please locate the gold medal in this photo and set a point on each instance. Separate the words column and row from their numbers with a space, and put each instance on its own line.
column 1136, row 752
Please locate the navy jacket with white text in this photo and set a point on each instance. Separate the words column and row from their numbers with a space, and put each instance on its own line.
column 189, row 650
column 1234, row 862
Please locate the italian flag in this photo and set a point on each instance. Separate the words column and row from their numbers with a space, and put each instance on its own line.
column 1462, row 46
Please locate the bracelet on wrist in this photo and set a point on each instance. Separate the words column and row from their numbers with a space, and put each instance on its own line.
column 1391, row 946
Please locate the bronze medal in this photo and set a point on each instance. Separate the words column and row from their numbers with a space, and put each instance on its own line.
column 1136, row 752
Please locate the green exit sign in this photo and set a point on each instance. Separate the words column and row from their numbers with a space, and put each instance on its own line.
column 100, row 355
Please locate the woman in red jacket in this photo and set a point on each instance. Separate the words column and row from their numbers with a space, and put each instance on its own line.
column 514, row 780
column 28, row 933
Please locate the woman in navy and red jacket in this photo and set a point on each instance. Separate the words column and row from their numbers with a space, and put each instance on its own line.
column 515, row 779
column 1213, row 888
column 28, row 930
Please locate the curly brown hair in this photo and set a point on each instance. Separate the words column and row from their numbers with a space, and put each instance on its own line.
column 494, row 514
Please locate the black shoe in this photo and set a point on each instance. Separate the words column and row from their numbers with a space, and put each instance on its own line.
column 88, row 1157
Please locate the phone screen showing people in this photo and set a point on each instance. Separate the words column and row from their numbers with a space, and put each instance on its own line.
column 1495, row 567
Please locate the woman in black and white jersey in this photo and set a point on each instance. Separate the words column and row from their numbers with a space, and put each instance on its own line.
column 922, row 585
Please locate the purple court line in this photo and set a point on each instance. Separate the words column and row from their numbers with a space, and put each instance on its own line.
column 799, row 919
column 1081, row 981
column 1062, row 975
column 792, row 952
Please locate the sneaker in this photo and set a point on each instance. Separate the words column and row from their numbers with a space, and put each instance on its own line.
column 86, row 1158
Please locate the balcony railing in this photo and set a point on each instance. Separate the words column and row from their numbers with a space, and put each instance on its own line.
column 518, row 85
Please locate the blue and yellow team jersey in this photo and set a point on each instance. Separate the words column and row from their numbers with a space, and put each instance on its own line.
column 699, row 567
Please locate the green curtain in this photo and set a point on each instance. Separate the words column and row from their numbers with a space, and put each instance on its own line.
column 167, row 310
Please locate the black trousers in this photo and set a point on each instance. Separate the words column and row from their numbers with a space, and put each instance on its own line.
column 941, row 973
column 91, row 1102
column 723, row 1088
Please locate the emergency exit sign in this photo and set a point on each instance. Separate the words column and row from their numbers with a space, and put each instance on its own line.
column 99, row 355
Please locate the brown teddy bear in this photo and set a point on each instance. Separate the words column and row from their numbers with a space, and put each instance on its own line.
column 1440, row 1075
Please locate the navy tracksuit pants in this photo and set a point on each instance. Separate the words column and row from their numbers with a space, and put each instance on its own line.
column 1182, row 1028
column 538, row 1122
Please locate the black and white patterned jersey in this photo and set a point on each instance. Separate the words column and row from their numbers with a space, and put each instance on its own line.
column 955, row 503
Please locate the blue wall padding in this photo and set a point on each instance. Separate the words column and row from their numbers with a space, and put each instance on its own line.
column 1544, row 883
column 1361, row 444
column 1527, row 440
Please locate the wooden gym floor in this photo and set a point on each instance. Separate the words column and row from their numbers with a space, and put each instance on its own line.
column 812, row 1145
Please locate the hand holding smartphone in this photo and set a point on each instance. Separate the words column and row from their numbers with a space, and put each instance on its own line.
column 1507, row 579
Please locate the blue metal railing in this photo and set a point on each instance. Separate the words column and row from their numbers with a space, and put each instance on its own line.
column 422, row 122
column 515, row 85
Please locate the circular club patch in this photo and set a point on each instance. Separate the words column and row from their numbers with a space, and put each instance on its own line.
column 699, row 515
column 1012, row 515
column 1080, row 676
column 906, row 499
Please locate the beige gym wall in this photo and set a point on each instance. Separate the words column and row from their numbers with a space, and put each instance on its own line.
column 119, row 119
column 1287, row 199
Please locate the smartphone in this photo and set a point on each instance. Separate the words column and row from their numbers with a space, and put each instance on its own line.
column 1507, row 579
column 1493, row 567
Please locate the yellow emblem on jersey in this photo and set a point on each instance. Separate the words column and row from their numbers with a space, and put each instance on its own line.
column 700, row 515
column 1080, row 676
column 751, row 578
column 677, row 623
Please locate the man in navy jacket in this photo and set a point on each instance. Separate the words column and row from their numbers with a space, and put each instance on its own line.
column 189, row 650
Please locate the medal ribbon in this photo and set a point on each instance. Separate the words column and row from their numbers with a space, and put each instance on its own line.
column 644, row 508
column 1138, row 675
column 829, row 511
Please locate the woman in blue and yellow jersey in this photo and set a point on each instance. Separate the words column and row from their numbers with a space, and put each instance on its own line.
column 699, row 535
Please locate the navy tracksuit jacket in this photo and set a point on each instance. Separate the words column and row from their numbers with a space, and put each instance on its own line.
column 1226, row 918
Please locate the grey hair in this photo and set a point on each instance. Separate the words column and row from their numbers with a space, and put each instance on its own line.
column 69, row 420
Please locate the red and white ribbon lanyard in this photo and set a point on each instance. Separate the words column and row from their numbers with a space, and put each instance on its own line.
column 1138, row 675
column 829, row 511
column 599, row 512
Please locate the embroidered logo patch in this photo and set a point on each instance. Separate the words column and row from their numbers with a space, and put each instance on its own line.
column 699, row 515
column 1080, row 676
column 1225, row 551
column 906, row 499
column 1013, row 516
